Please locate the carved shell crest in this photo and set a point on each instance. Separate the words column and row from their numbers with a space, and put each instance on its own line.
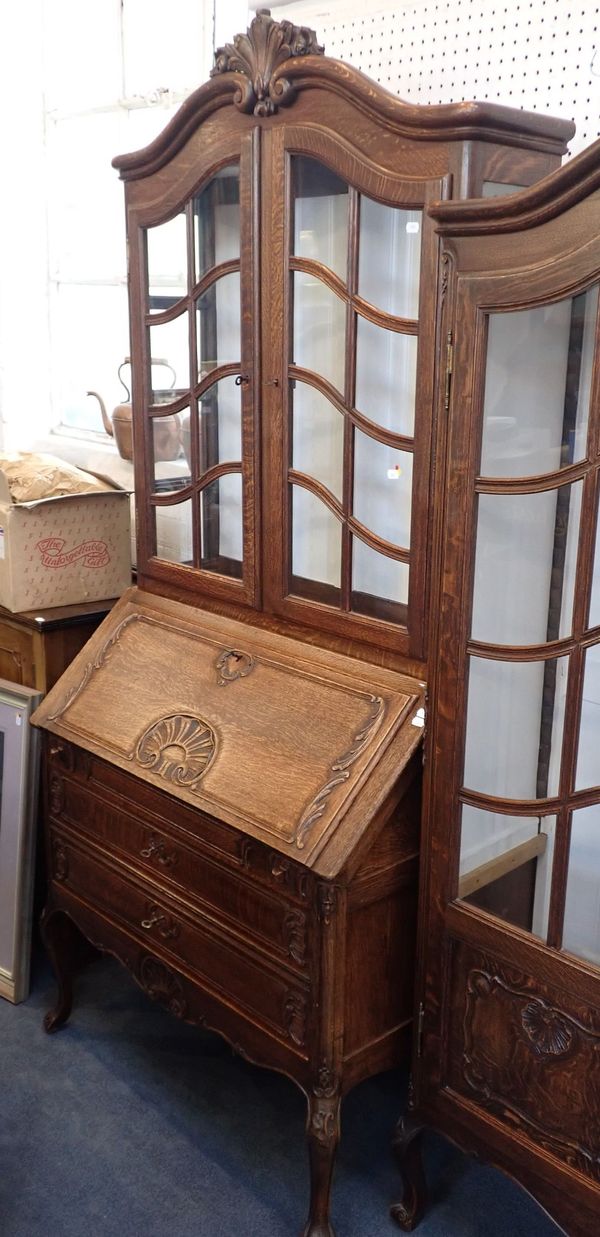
column 179, row 748
column 257, row 54
column 548, row 1032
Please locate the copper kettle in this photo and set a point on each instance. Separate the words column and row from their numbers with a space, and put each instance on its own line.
column 167, row 430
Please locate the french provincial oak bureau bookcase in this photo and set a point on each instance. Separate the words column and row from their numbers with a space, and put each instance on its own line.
column 233, row 763
column 508, row 1059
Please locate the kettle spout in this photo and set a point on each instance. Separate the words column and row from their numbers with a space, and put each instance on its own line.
column 106, row 421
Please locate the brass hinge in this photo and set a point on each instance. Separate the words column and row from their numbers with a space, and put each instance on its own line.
column 420, row 1021
column 449, row 365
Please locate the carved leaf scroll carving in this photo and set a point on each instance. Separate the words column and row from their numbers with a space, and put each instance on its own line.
column 295, row 1017
column 341, row 769
column 258, row 54
column 92, row 666
column 179, row 748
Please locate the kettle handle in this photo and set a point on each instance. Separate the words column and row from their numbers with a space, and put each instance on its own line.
column 153, row 361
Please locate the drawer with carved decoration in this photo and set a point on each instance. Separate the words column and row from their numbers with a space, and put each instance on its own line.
column 224, row 963
column 275, row 918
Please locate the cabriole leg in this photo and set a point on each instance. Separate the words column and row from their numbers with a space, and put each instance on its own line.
column 323, row 1134
column 407, row 1149
column 64, row 945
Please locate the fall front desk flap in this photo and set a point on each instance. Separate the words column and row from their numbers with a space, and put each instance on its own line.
column 270, row 735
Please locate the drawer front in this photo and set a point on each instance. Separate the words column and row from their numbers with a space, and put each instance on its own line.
column 228, row 969
column 230, row 896
column 209, row 836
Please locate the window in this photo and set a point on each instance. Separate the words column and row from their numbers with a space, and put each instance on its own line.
column 136, row 61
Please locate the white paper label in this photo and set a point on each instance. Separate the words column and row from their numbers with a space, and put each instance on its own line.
column 412, row 226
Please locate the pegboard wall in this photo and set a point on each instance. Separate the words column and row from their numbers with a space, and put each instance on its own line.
column 541, row 55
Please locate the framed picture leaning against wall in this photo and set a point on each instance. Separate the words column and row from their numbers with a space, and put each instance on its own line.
column 19, row 779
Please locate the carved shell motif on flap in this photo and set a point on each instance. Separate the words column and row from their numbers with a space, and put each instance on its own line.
column 258, row 54
column 179, row 748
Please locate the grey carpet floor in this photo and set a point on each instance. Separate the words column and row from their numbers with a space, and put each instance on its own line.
column 128, row 1123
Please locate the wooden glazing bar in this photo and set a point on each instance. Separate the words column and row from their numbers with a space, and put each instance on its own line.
column 193, row 365
column 172, row 498
column 401, row 441
column 536, row 483
column 349, row 397
column 561, row 532
column 390, row 322
column 197, row 290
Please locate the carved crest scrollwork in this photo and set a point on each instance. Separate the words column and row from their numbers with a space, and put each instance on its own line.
column 60, row 861
column 56, row 794
column 162, row 985
column 327, row 902
column 327, row 1085
column 295, row 1017
column 258, row 54
column 233, row 664
column 295, row 935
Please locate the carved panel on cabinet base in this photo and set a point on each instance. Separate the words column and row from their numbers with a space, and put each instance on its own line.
column 529, row 1055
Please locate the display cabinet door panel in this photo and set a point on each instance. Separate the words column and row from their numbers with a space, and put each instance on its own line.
column 351, row 265
column 510, row 940
column 195, row 339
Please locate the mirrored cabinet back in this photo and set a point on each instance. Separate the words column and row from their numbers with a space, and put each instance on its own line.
column 233, row 763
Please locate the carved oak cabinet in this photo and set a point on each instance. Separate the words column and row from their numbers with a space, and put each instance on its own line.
column 233, row 763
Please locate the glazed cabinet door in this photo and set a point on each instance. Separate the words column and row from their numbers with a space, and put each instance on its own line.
column 350, row 292
column 510, row 973
column 193, row 254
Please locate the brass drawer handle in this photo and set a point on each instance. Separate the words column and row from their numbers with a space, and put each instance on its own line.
column 165, row 924
column 157, row 849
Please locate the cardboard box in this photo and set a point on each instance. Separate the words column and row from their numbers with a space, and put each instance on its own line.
column 62, row 550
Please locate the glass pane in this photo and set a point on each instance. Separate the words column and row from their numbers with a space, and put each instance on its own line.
column 581, row 933
column 497, row 189
column 316, row 544
column 506, row 866
column 167, row 263
column 80, row 317
column 386, row 374
column 319, row 329
column 539, row 366
column 379, row 583
column 219, row 427
column 595, row 598
column 170, row 369
column 320, row 215
column 588, row 756
column 520, row 704
column 383, row 488
column 174, row 532
column 171, row 470
column 389, row 257
column 318, row 437
column 216, row 212
column 525, row 565
column 218, row 324
column 222, row 526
